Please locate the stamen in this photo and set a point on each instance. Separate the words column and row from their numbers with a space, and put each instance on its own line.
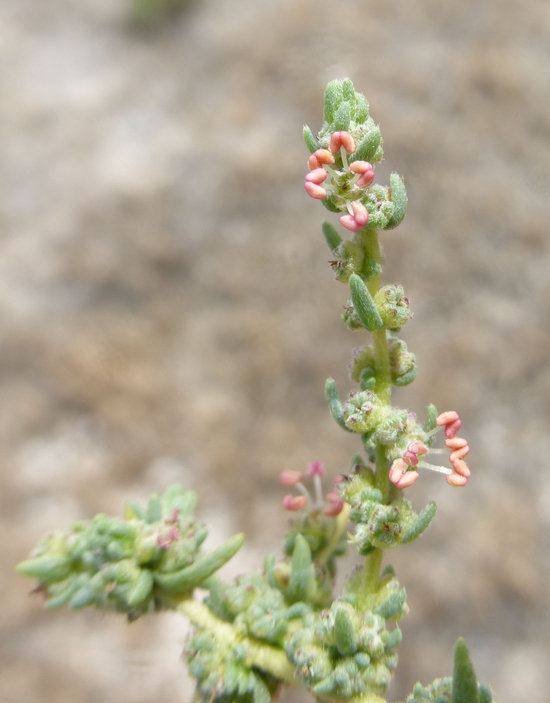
column 291, row 502
column 318, row 175
column 457, row 480
column 434, row 467
column 315, row 191
column 290, row 478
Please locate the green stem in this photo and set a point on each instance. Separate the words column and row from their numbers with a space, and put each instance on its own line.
column 383, row 387
column 341, row 524
column 261, row 655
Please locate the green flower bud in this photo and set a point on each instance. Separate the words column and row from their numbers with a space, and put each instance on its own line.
column 343, row 652
column 358, row 411
column 402, row 362
column 348, row 260
column 393, row 306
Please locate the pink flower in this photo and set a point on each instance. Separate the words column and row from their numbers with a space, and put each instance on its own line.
column 357, row 218
column 315, row 191
column 289, row 478
column 316, row 468
column 294, row 503
column 319, row 158
column 342, row 139
column 366, row 170
column 400, row 476
column 412, row 452
column 336, row 504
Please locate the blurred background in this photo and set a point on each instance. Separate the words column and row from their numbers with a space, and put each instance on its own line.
column 167, row 312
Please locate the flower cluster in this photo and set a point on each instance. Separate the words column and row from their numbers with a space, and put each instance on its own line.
column 403, row 471
column 129, row 565
column 333, row 504
column 358, row 174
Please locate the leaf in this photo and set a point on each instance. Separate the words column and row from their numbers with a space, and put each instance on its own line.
column 191, row 576
column 464, row 677
column 364, row 304
column 300, row 572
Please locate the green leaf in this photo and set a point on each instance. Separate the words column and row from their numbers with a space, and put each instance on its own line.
column 154, row 509
column 419, row 523
column 399, row 199
column 45, row 568
column 464, row 677
column 344, row 633
column 300, row 571
column 331, row 235
column 333, row 96
column 311, row 143
column 364, row 305
column 342, row 117
column 485, row 695
column 334, row 403
column 141, row 588
column 368, row 146
column 191, row 576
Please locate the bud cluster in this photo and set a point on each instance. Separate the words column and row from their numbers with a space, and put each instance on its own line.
column 344, row 652
column 341, row 167
column 129, row 565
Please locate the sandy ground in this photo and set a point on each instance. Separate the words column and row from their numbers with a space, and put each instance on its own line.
column 167, row 312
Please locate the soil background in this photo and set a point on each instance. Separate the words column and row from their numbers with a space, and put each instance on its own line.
column 167, row 312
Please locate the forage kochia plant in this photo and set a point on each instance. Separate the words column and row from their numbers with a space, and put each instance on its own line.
column 285, row 624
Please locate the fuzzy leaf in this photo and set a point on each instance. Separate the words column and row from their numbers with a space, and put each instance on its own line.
column 364, row 305
column 311, row 143
column 344, row 633
column 331, row 235
column 300, row 573
column 335, row 404
column 368, row 146
column 464, row 677
column 191, row 576
column 399, row 199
